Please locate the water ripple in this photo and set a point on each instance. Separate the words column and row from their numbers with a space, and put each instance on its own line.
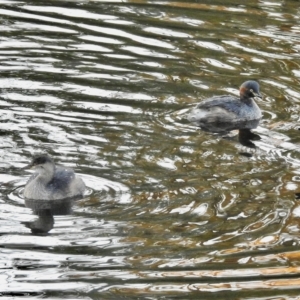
column 170, row 211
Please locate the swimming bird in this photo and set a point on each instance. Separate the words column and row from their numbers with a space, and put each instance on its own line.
column 227, row 112
column 52, row 182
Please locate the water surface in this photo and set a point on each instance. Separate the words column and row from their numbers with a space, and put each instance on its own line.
column 171, row 212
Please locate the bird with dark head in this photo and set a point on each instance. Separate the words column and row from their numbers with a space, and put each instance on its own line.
column 227, row 112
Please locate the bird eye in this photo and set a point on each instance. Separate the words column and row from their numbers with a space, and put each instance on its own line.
column 251, row 90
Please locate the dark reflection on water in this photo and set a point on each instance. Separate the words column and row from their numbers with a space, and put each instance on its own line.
column 43, row 224
column 46, row 210
column 246, row 137
column 171, row 212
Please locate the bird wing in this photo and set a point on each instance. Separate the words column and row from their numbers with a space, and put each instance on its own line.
column 65, row 176
column 227, row 102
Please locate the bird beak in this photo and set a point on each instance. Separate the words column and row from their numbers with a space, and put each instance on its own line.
column 30, row 166
column 258, row 95
column 26, row 167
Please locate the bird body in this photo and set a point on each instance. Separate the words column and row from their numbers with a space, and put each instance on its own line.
column 52, row 182
column 229, row 112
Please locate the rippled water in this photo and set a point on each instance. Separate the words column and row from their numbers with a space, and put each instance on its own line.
column 171, row 212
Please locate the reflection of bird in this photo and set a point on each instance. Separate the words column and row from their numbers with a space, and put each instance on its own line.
column 51, row 182
column 43, row 224
column 225, row 113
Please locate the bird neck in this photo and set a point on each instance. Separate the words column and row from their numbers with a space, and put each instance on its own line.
column 47, row 172
column 246, row 100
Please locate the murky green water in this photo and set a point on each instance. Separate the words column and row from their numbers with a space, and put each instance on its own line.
column 170, row 212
